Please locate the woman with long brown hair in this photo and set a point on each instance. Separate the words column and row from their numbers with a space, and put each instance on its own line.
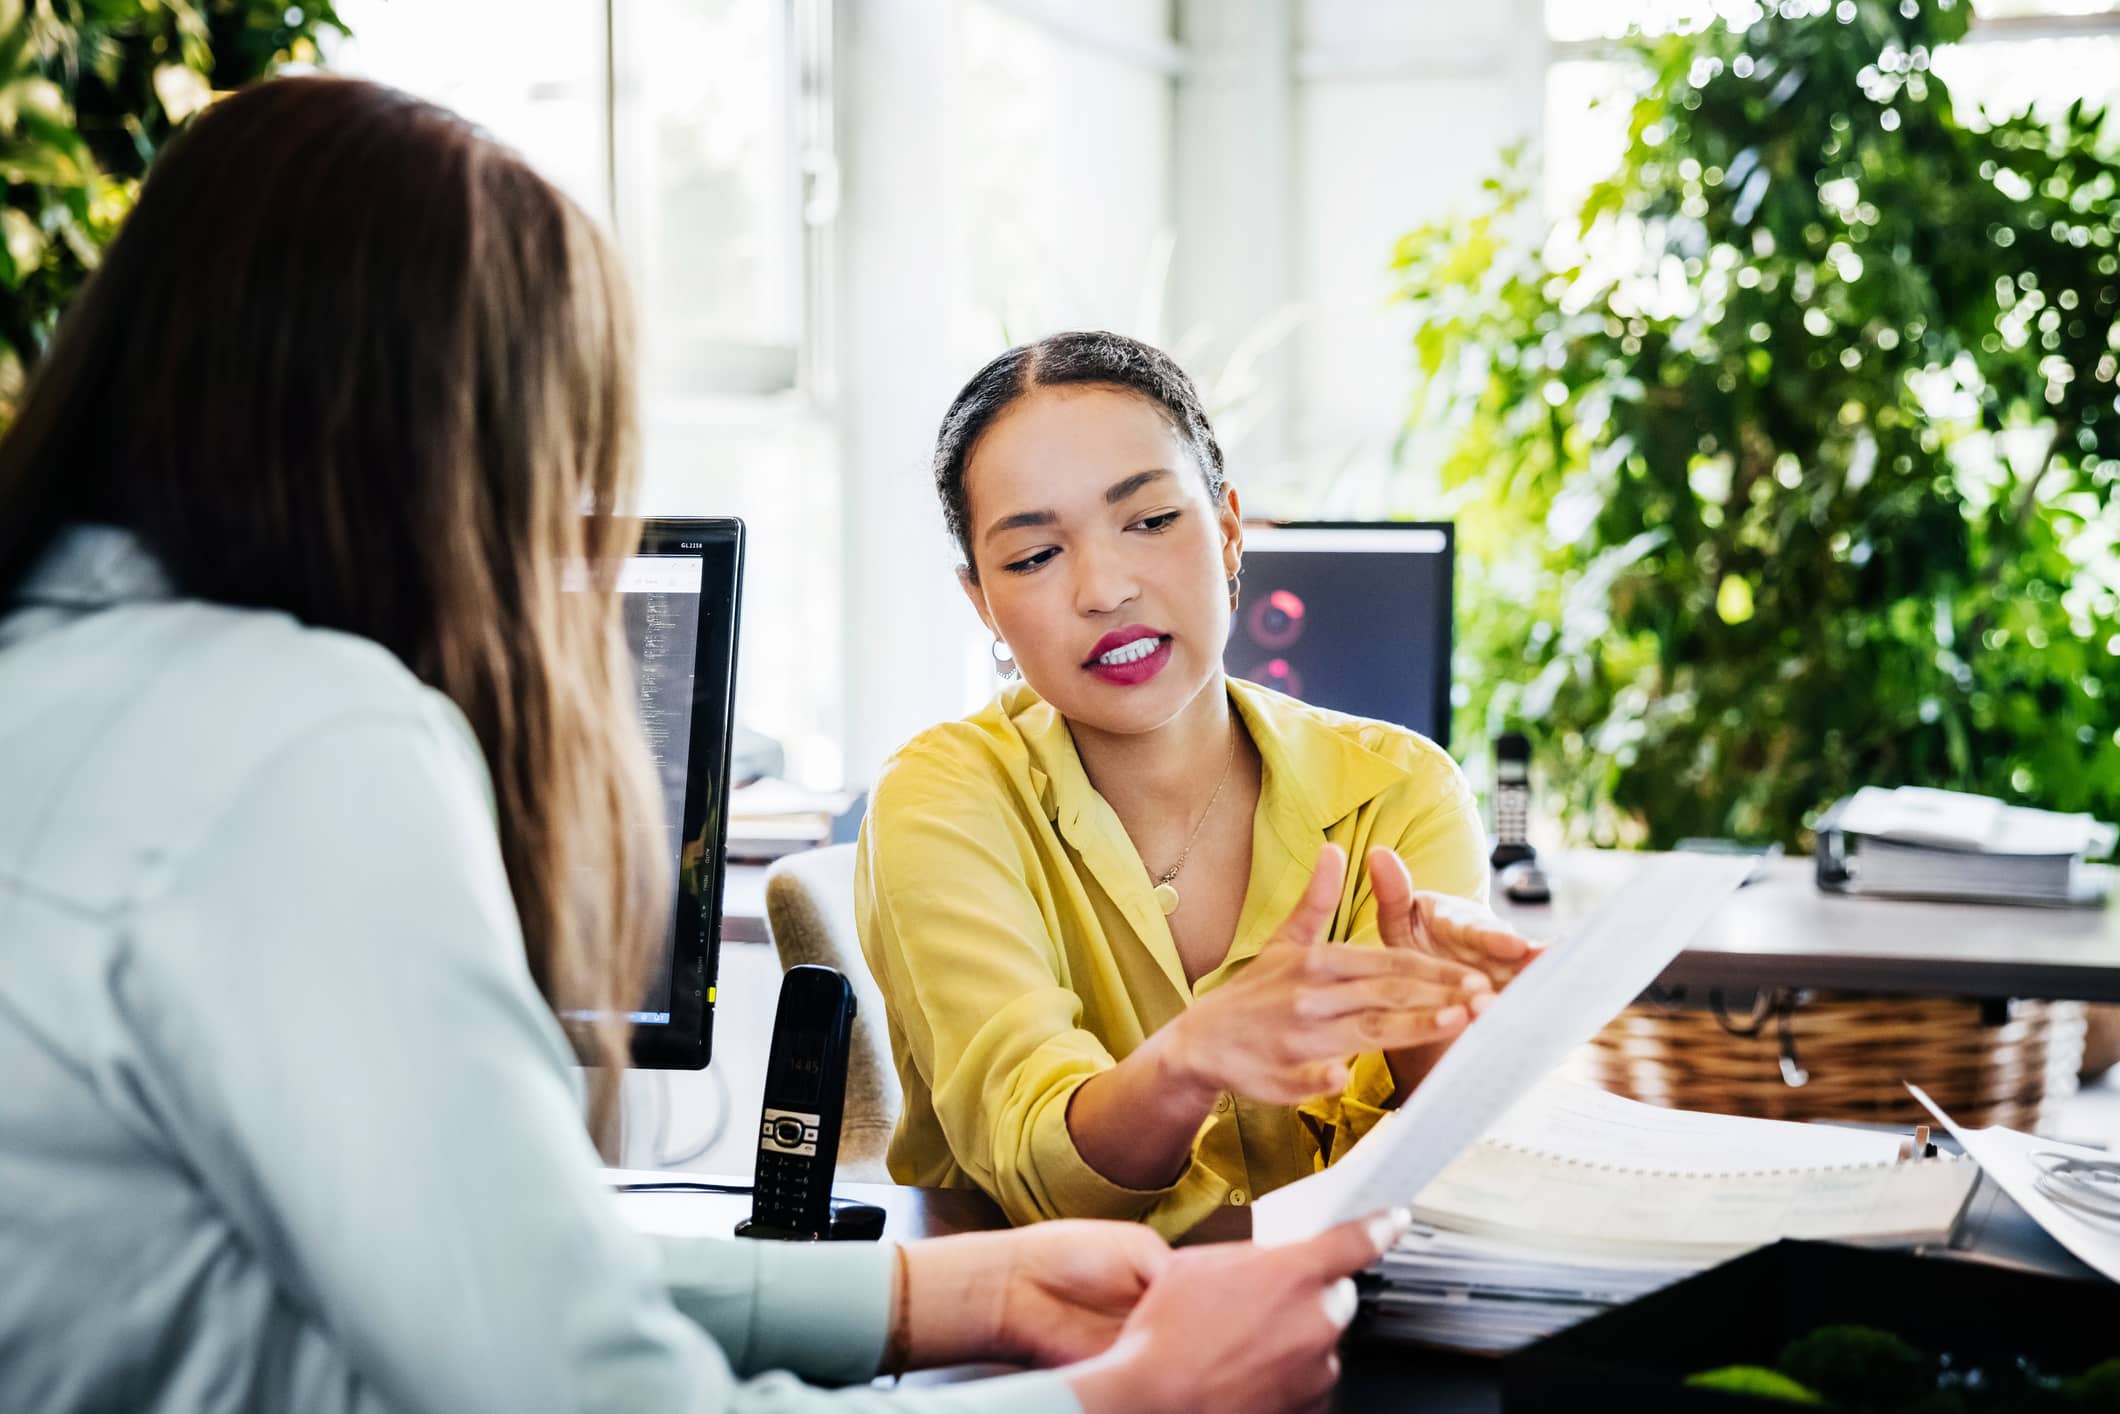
column 315, row 782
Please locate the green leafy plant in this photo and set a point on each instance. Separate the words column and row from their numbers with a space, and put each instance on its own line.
column 89, row 92
column 1757, row 1381
column 1790, row 463
column 1861, row 1367
column 1858, row 1365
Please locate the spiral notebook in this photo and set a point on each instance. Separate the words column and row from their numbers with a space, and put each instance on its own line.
column 1577, row 1201
column 1574, row 1168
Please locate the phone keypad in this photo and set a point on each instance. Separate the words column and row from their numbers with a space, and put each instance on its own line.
column 783, row 1184
column 1511, row 806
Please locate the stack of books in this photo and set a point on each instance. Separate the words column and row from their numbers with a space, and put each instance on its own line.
column 770, row 818
column 1914, row 842
column 1579, row 1200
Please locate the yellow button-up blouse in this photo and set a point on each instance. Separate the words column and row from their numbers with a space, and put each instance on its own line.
column 1009, row 924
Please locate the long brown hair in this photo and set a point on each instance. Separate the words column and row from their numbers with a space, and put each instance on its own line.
column 353, row 360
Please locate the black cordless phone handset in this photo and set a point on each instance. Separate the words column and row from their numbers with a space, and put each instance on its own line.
column 1512, row 800
column 1521, row 879
column 805, row 1099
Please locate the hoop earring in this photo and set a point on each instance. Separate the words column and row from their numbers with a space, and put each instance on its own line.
column 1236, row 589
column 1004, row 661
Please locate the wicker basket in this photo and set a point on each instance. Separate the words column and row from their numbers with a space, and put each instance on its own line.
column 1995, row 1063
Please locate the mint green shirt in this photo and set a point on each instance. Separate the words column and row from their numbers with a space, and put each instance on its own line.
column 284, row 1123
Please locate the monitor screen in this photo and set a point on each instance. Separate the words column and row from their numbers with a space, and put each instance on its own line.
column 1354, row 617
column 680, row 598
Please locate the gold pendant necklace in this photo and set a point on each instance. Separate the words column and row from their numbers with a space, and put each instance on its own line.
column 1165, row 895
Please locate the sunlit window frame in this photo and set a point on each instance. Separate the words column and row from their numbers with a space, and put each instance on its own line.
column 802, row 364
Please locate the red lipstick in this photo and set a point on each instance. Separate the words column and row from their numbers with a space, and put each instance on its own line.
column 1142, row 652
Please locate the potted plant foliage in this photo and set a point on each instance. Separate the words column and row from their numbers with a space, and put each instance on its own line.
column 1790, row 462
column 89, row 91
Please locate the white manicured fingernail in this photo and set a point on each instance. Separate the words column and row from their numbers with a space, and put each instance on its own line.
column 1385, row 1229
column 1341, row 1302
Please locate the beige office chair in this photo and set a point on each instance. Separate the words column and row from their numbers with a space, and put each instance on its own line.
column 810, row 914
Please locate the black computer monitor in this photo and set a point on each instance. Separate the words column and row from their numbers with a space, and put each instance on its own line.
column 1355, row 616
column 681, row 597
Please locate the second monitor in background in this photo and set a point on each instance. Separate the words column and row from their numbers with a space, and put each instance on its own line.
column 1351, row 616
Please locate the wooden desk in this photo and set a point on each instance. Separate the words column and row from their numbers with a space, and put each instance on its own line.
column 1783, row 931
column 1377, row 1375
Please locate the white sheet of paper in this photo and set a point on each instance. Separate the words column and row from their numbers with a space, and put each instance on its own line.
column 1555, row 1005
column 2007, row 1157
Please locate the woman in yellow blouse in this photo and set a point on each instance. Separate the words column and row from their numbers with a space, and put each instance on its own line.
column 1100, row 909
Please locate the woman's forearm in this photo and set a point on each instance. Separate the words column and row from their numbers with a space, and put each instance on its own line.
column 1136, row 1122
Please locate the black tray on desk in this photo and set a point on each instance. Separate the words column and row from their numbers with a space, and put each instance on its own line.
column 1743, row 1312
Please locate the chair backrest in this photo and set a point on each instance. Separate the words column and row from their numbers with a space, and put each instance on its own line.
column 810, row 914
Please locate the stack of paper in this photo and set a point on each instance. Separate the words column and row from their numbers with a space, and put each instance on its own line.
column 1489, row 1296
column 1579, row 1200
column 1638, row 1180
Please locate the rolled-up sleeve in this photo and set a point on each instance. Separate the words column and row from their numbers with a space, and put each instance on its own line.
column 823, row 1310
column 961, row 933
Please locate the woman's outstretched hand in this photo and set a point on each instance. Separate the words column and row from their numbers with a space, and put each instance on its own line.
column 1284, row 1029
column 1420, row 922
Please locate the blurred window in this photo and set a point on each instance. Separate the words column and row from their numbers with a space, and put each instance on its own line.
column 699, row 133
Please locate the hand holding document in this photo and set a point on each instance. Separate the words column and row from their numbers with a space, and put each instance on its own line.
column 1559, row 1002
